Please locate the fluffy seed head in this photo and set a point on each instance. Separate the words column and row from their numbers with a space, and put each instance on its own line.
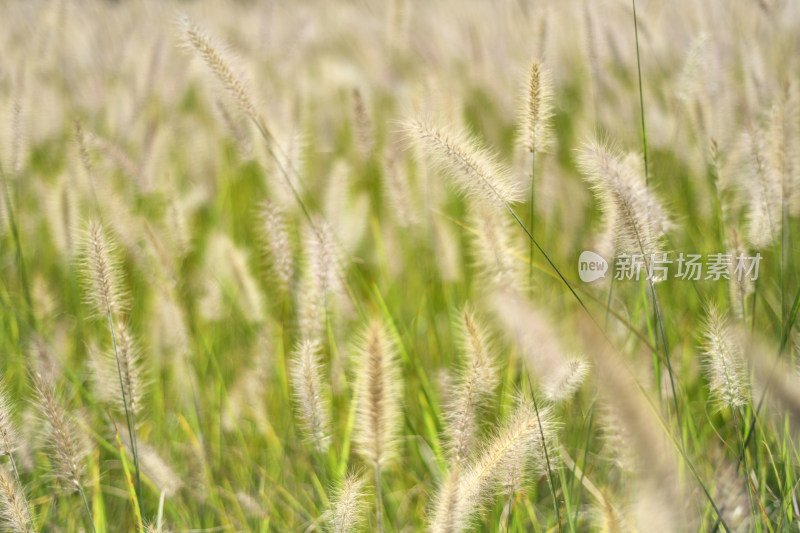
column 763, row 198
column 658, row 487
column 545, row 357
column 347, row 505
column 739, row 289
column 566, row 379
column 399, row 194
column 101, row 270
column 62, row 214
column 495, row 251
column 463, row 494
column 309, row 392
column 13, row 506
column 9, row 437
column 229, row 279
column 640, row 220
column 781, row 156
column 474, row 170
column 536, row 134
column 476, row 381
column 725, row 367
column 362, row 124
column 119, row 375
column 277, row 243
column 158, row 470
column 322, row 282
column 116, row 154
column 83, row 151
column 214, row 57
column 67, row 446
column 378, row 411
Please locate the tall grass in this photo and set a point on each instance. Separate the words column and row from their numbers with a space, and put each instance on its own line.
column 292, row 268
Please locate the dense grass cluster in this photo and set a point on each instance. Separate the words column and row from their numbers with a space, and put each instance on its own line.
column 313, row 266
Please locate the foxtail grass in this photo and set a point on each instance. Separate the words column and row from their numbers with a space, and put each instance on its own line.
column 726, row 370
column 475, row 171
column 378, row 411
column 310, row 396
column 476, row 381
column 67, row 445
column 14, row 509
column 346, row 511
column 14, row 506
column 536, row 134
column 106, row 295
column 463, row 493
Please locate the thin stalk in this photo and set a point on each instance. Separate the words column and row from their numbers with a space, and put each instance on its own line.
column 610, row 292
column 129, row 415
column 508, row 512
column 530, row 219
column 737, row 426
column 718, row 206
column 544, row 449
column 583, row 467
column 680, row 447
column 647, row 180
column 641, row 94
column 784, row 340
column 12, row 222
column 322, row 468
column 755, row 297
column 86, row 506
column 784, row 258
column 660, row 321
column 378, row 498
column 549, row 261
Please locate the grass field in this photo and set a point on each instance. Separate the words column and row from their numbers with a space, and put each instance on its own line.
column 400, row 266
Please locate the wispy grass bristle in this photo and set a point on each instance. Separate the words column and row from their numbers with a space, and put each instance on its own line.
column 347, row 507
column 725, row 367
column 378, row 420
column 158, row 470
column 9, row 436
column 321, row 285
column 101, row 269
column 477, row 379
column 542, row 348
column 67, row 445
column 229, row 281
column 332, row 266
column 739, row 287
column 535, row 116
column 121, row 364
column 378, row 414
column 763, row 193
column 566, row 380
column 362, row 124
column 214, row 56
column 639, row 219
column 474, row 170
column 463, row 494
column 658, row 490
column 310, row 395
column 277, row 243
column 13, row 505
column 495, row 251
